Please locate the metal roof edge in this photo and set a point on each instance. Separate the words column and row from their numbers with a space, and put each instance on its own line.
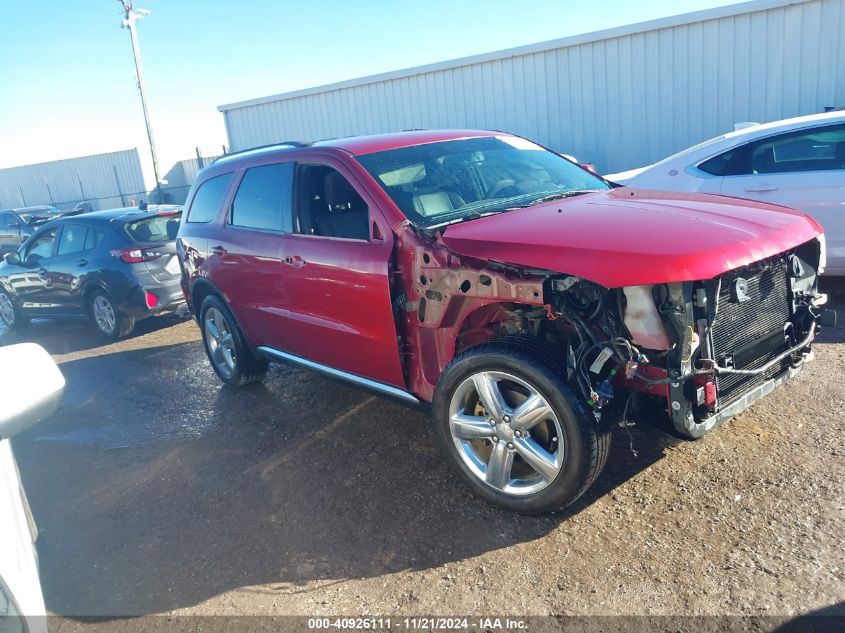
column 62, row 160
column 528, row 49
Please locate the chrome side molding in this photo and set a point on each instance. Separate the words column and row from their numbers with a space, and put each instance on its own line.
column 277, row 355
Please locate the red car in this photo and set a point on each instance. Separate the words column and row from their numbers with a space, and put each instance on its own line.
column 526, row 300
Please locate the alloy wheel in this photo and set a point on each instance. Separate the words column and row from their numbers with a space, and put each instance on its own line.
column 506, row 432
column 220, row 342
column 7, row 310
column 104, row 314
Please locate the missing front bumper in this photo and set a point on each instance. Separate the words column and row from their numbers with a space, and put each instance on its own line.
column 693, row 429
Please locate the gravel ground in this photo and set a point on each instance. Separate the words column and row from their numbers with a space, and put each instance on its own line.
column 158, row 491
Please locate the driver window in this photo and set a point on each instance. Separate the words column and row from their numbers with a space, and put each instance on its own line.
column 41, row 247
column 329, row 206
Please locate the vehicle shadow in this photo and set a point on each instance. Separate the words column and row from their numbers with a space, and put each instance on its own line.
column 159, row 494
column 70, row 336
column 835, row 288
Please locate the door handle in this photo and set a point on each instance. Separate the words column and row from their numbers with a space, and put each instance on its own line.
column 219, row 250
column 81, row 262
column 294, row 260
column 762, row 188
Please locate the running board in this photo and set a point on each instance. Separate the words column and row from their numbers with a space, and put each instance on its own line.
column 388, row 390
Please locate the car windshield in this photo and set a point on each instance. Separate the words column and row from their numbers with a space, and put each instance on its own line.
column 157, row 228
column 447, row 181
column 36, row 215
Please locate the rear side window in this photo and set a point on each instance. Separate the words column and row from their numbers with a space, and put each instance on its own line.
column 208, row 199
column 72, row 239
column 93, row 239
column 264, row 199
column 721, row 165
column 159, row 228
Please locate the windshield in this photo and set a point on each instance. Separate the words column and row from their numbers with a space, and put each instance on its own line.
column 158, row 228
column 437, row 183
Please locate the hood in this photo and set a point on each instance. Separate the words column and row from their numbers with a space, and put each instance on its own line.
column 630, row 237
column 623, row 177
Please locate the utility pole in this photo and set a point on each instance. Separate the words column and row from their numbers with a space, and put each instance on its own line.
column 132, row 15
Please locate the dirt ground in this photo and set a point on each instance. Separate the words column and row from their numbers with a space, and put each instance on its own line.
column 159, row 491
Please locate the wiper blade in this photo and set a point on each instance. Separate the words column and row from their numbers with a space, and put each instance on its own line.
column 559, row 195
column 472, row 215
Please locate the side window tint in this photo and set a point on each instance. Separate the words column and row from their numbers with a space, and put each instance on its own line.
column 208, row 199
column 264, row 197
column 4, row 220
column 93, row 239
column 819, row 149
column 726, row 164
column 328, row 205
column 72, row 239
column 41, row 247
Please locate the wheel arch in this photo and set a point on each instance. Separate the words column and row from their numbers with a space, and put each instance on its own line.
column 200, row 289
column 475, row 322
column 203, row 288
column 7, row 288
column 89, row 289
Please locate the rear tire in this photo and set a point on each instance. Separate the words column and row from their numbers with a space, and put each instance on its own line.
column 9, row 314
column 533, row 459
column 107, row 318
column 228, row 352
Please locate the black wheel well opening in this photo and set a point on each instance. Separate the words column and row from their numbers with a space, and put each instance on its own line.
column 510, row 319
column 199, row 292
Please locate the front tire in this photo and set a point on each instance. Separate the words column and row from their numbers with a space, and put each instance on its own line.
column 227, row 351
column 108, row 318
column 518, row 435
column 9, row 314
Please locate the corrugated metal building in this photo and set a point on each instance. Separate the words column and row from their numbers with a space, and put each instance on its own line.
column 106, row 180
column 619, row 98
column 181, row 176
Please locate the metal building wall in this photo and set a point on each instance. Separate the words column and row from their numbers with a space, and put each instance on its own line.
column 619, row 98
column 181, row 176
column 106, row 180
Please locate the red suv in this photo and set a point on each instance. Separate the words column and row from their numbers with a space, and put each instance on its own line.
column 515, row 292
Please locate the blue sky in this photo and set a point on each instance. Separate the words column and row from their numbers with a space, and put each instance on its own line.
column 67, row 76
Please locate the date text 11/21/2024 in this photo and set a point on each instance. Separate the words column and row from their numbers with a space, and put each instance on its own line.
column 421, row 623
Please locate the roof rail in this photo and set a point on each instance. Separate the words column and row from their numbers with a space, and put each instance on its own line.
column 279, row 145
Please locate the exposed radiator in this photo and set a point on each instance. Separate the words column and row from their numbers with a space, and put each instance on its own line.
column 750, row 332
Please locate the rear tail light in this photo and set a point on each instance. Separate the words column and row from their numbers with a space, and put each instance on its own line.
column 136, row 254
column 150, row 299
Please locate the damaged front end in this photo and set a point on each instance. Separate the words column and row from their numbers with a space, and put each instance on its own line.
column 708, row 348
column 704, row 349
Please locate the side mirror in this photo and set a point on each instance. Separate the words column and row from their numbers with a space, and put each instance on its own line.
column 14, row 224
column 32, row 387
column 12, row 258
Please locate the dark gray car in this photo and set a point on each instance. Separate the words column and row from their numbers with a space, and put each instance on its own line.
column 113, row 267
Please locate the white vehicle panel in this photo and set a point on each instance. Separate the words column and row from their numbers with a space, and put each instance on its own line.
column 820, row 194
